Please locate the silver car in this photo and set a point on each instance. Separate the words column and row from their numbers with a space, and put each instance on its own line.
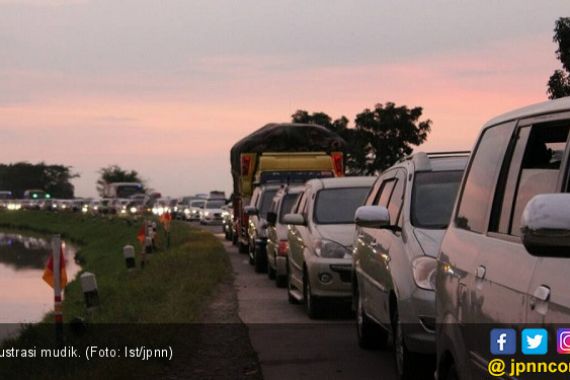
column 212, row 211
column 398, row 234
column 320, row 240
column 277, row 243
column 505, row 258
column 256, row 229
column 195, row 209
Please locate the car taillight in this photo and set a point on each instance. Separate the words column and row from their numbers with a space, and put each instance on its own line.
column 245, row 164
column 338, row 163
column 283, row 248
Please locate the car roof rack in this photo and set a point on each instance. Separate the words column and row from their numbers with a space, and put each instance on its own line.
column 421, row 159
column 457, row 153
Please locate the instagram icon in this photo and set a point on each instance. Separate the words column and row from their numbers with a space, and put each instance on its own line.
column 563, row 341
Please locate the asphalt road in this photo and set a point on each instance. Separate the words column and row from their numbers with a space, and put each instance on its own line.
column 291, row 346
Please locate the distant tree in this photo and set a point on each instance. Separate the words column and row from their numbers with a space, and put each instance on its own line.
column 22, row 176
column 340, row 126
column 559, row 82
column 380, row 137
column 114, row 173
column 388, row 133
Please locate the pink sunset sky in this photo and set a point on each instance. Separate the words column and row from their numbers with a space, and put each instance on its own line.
column 167, row 87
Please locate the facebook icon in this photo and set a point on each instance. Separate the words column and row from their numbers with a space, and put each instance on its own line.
column 503, row 341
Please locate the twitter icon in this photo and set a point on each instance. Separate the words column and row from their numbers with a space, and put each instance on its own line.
column 534, row 341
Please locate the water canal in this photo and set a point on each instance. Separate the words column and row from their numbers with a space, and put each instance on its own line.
column 24, row 296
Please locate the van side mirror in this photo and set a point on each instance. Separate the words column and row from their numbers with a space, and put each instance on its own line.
column 545, row 225
column 250, row 210
column 372, row 217
column 271, row 218
column 294, row 219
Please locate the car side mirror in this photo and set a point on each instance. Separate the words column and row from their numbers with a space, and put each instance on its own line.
column 545, row 225
column 372, row 217
column 294, row 219
column 250, row 210
column 271, row 218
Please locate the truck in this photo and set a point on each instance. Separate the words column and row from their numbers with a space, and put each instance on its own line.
column 217, row 194
column 280, row 153
column 122, row 189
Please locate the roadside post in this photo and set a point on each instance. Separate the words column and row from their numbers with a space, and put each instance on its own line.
column 141, row 237
column 89, row 287
column 152, row 234
column 166, row 219
column 56, row 277
column 57, row 307
column 129, row 255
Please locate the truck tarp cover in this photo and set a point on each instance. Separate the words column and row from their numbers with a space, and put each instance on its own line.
column 285, row 137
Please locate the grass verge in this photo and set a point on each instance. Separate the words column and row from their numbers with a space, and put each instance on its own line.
column 173, row 288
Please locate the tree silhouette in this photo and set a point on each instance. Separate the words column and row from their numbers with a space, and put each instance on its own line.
column 21, row 176
column 381, row 136
column 388, row 133
column 559, row 82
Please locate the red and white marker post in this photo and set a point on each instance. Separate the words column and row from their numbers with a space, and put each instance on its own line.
column 57, row 305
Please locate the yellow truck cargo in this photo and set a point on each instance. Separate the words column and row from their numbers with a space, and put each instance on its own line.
column 281, row 154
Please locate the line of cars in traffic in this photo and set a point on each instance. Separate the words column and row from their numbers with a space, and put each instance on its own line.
column 436, row 243
column 205, row 207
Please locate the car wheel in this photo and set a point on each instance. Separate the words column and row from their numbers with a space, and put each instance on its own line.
column 313, row 305
column 280, row 281
column 292, row 300
column 259, row 262
column 270, row 272
column 409, row 365
column 251, row 254
column 452, row 373
column 370, row 334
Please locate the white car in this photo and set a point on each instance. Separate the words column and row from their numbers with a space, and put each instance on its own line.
column 195, row 209
column 321, row 230
column 212, row 211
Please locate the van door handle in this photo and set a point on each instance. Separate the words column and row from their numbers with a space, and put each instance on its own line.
column 481, row 271
column 539, row 300
column 542, row 293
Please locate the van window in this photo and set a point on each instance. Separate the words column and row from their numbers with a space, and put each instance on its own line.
column 386, row 192
column 533, row 172
column 265, row 202
column 298, row 207
column 395, row 202
column 372, row 196
column 433, row 196
column 287, row 204
column 480, row 181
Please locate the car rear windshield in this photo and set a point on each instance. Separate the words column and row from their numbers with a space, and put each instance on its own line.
column 126, row 191
column 266, row 199
column 197, row 203
column 337, row 206
column 433, row 196
column 214, row 204
column 287, row 205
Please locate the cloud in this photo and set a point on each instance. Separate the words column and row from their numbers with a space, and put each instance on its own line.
column 43, row 3
column 168, row 87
